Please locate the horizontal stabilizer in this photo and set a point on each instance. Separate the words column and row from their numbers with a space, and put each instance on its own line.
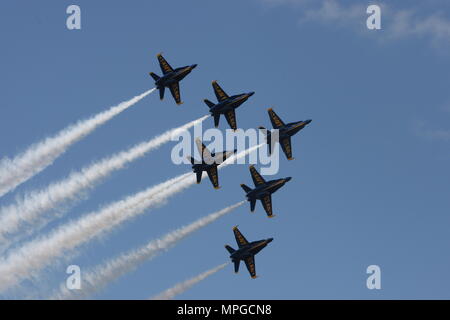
column 252, row 205
column 191, row 159
column 154, row 76
column 230, row 249
column 209, row 103
column 246, row 188
column 161, row 92
column 236, row 265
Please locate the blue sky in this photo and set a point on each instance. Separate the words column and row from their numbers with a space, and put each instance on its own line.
column 371, row 176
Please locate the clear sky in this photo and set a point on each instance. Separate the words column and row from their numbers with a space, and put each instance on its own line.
column 371, row 172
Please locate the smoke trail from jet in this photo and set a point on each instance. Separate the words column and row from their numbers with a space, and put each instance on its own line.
column 179, row 288
column 39, row 253
column 30, row 210
column 40, row 155
column 109, row 271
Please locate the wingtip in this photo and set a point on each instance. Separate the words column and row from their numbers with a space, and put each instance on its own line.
column 180, row 103
column 235, row 227
column 270, row 109
column 159, row 54
column 214, row 81
column 271, row 216
column 217, row 188
column 254, row 277
column 291, row 158
column 251, row 166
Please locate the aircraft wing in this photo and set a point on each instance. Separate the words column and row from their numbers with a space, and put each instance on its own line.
column 213, row 176
column 257, row 179
column 165, row 66
column 231, row 119
column 267, row 204
column 204, row 152
column 250, row 263
column 220, row 94
column 175, row 90
column 286, row 146
column 275, row 119
column 240, row 239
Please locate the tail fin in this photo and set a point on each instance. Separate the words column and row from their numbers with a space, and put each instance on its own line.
column 246, row 189
column 154, row 76
column 209, row 103
column 230, row 249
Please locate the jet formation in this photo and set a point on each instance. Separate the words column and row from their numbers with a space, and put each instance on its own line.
column 226, row 105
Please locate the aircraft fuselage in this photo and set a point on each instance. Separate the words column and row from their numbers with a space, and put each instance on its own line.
column 250, row 249
column 175, row 76
column 269, row 187
column 200, row 167
column 230, row 103
column 292, row 128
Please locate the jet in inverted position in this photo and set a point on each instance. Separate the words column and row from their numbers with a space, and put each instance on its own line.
column 170, row 78
column 246, row 251
column 226, row 105
column 286, row 131
column 210, row 162
column 263, row 191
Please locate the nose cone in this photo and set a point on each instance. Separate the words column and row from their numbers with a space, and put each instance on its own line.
column 193, row 66
column 251, row 93
column 269, row 240
column 308, row 121
column 287, row 179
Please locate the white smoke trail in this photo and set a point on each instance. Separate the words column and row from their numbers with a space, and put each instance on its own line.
column 42, row 154
column 29, row 210
column 100, row 276
column 179, row 288
column 39, row 253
